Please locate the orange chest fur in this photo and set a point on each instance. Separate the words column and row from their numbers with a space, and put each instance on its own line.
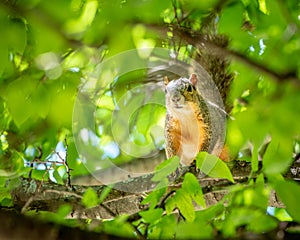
column 187, row 132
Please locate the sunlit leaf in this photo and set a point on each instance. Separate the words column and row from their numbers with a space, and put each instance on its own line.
column 280, row 213
column 5, row 198
column 276, row 159
column 90, row 198
column 213, row 166
column 152, row 215
column 164, row 228
column 166, row 168
column 184, row 204
column 240, row 39
column 155, row 196
column 41, row 175
column 194, row 230
column 193, row 188
column 289, row 193
column 253, row 220
column 119, row 227
column 57, row 177
column 263, row 6
column 104, row 193
column 64, row 210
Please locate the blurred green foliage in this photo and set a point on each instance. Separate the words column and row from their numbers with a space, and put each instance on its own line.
column 48, row 49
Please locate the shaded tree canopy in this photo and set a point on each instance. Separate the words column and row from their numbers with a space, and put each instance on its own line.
column 82, row 118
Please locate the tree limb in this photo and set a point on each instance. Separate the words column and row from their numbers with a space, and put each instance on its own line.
column 199, row 40
column 51, row 196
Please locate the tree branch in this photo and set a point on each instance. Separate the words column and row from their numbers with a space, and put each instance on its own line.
column 51, row 196
column 199, row 40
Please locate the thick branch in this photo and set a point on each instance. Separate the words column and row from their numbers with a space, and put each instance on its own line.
column 124, row 201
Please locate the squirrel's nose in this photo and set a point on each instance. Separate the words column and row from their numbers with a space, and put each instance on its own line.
column 176, row 97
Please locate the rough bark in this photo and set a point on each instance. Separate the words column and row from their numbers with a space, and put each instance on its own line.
column 34, row 195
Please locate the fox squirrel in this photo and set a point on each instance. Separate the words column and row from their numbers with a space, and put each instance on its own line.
column 188, row 126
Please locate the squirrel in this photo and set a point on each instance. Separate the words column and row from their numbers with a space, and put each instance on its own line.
column 188, row 127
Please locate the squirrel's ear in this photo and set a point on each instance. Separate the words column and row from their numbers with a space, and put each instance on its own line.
column 166, row 80
column 193, row 79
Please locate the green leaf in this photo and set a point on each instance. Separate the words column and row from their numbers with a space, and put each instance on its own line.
column 210, row 213
column 280, row 213
column 151, row 215
column 64, row 210
column 164, row 169
column 57, row 176
column 262, row 223
column 19, row 91
column 289, row 193
column 119, row 227
column 192, row 187
column 41, row 175
column 239, row 39
column 170, row 205
column 164, row 228
column 104, row 193
column 154, row 197
column 5, row 198
column 213, row 166
column 277, row 158
column 255, row 197
column 90, row 198
column 184, row 204
column 253, row 220
column 194, row 230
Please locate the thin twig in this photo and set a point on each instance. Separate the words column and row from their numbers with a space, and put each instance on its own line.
column 65, row 162
column 68, row 169
column 108, row 210
column 27, row 204
column 162, row 204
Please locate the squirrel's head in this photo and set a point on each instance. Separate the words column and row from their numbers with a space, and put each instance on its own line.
column 180, row 91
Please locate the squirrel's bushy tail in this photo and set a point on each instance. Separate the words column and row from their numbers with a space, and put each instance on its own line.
column 217, row 66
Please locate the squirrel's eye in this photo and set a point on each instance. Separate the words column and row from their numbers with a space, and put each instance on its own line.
column 189, row 89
